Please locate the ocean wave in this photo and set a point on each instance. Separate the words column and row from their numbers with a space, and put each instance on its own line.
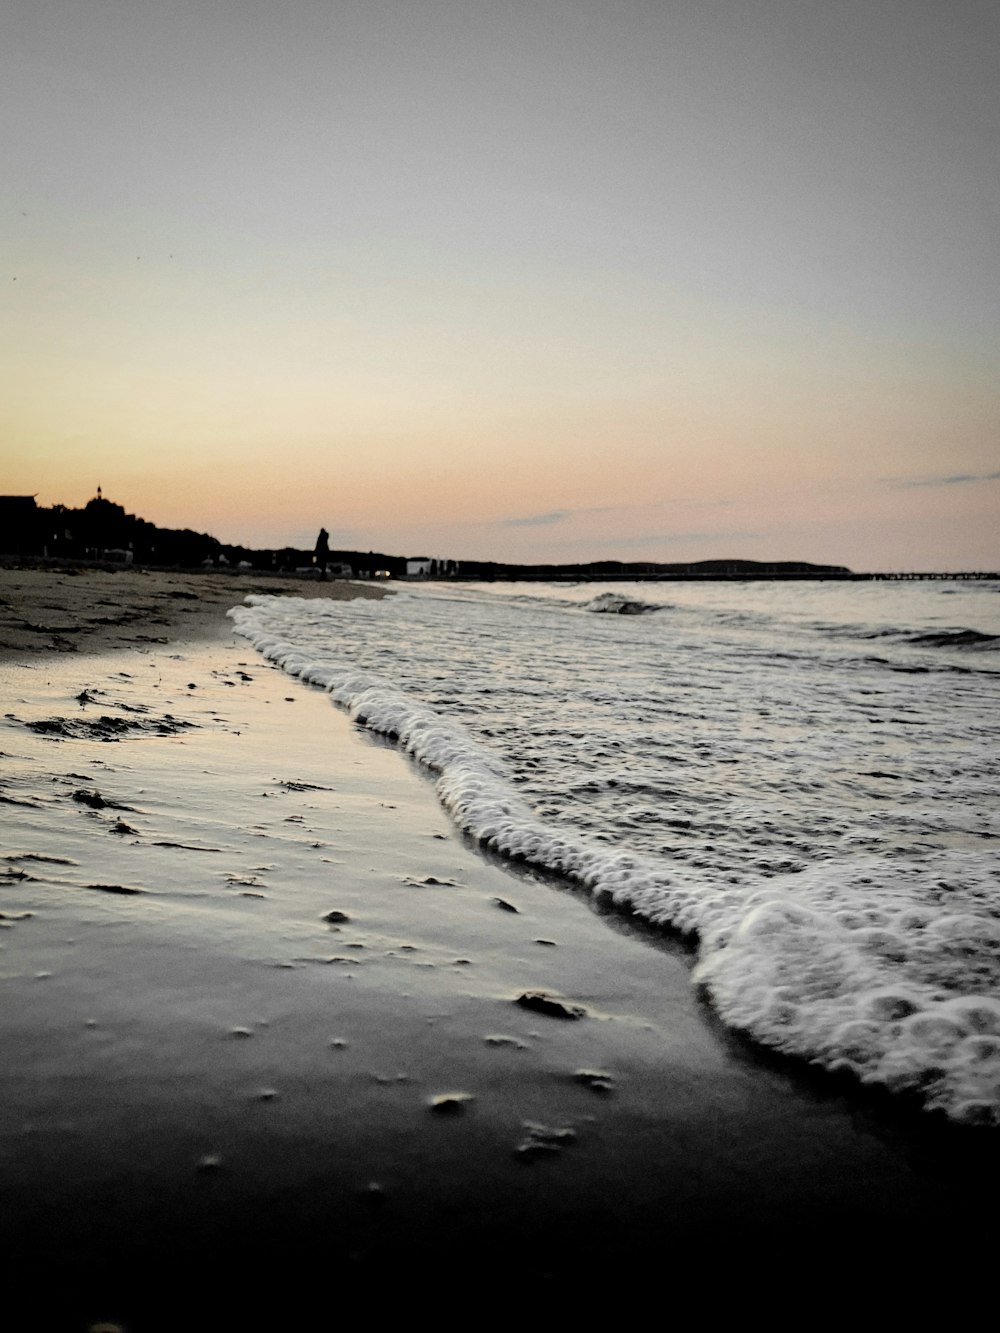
column 918, row 638
column 886, row 969
column 955, row 638
column 612, row 603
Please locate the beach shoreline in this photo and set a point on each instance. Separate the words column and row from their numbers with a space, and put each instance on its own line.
column 78, row 609
column 269, row 1031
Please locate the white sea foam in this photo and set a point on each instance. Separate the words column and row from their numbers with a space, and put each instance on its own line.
column 830, row 862
column 613, row 603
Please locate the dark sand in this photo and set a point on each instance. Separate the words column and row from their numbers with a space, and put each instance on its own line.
column 220, row 1110
column 78, row 609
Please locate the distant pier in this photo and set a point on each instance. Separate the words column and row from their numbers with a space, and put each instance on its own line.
column 760, row 576
column 965, row 575
column 741, row 576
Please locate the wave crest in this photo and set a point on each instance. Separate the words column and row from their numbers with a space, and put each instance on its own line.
column 812, row 964
column 613, row 603
column 955, row 638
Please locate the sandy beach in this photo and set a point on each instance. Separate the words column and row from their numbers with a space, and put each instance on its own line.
column 281, row 1048
column 76, row 609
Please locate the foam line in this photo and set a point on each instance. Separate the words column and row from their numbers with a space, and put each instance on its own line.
column 848, row 964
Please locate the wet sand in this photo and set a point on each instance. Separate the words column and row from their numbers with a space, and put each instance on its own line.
column 86, row 610
column 267, row 1056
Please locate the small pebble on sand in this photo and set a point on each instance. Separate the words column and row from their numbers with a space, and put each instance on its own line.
column 540, row 1002
column 543, row 1141
column 450, row 1103
column 597, row 1080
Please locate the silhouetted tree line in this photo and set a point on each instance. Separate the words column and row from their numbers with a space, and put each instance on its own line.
column 102, row 530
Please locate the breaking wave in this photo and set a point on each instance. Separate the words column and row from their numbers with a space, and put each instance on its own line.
column 955, row 638
column 611, row 603
column 888, row 969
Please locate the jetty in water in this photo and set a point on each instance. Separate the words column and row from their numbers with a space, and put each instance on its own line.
column 965, row 575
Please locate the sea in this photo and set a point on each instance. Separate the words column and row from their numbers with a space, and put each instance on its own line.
column 800, row 778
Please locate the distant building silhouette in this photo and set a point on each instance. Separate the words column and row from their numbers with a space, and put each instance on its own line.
column 20, row 525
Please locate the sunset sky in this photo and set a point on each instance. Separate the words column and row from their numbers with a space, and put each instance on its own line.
column 520, row 279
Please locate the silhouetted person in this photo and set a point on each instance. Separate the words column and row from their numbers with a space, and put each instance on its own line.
column 321, row 555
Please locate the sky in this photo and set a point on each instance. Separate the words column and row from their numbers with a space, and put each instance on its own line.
column 523, row 280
